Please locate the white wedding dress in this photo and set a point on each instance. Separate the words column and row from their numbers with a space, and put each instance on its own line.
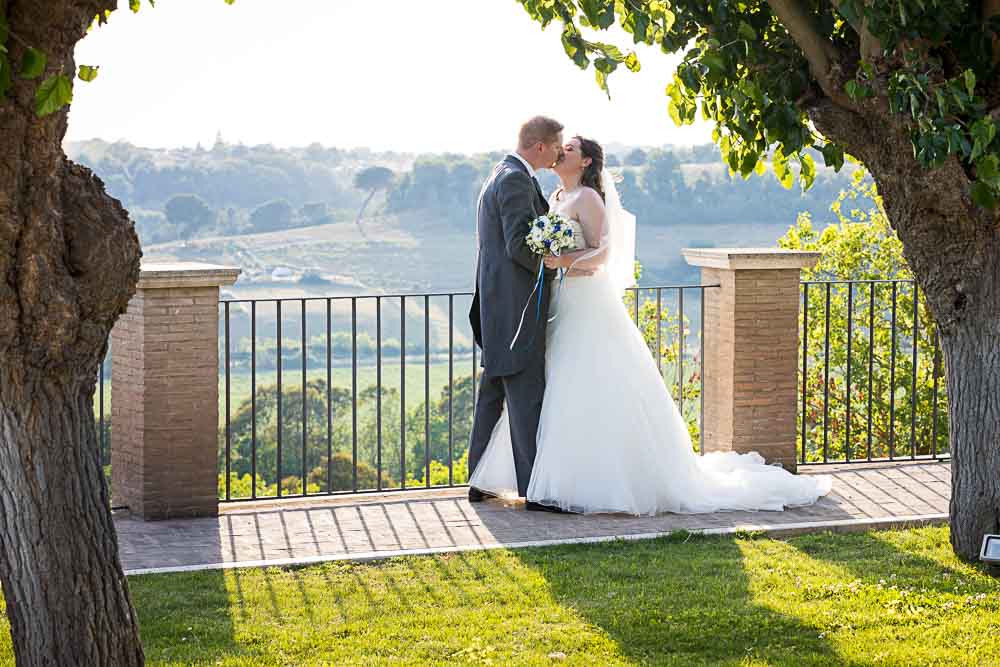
column 610, row 438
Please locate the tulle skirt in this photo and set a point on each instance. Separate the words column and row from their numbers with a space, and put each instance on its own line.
column 610, row 437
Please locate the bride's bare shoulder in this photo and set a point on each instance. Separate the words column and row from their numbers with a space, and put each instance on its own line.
column 590, row 199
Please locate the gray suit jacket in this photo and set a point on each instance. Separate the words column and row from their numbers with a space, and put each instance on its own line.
column 506, row 271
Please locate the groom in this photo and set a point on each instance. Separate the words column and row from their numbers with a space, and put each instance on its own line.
column 506, row 273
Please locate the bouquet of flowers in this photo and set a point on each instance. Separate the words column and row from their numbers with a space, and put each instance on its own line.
column 551, row 235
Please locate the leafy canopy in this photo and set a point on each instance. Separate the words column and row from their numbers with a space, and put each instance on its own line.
column 755, row 67
column 56, row 90
column 374, row 178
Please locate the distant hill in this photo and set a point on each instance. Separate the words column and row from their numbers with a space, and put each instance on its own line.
column 289, row 217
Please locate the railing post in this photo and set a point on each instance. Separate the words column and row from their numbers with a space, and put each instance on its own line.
column 751, row 349
column 165, row 392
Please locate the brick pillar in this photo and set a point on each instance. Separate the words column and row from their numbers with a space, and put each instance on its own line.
column 751, row 349
column 165, row 392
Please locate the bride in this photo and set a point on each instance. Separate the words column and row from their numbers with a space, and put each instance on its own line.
column 610, row 438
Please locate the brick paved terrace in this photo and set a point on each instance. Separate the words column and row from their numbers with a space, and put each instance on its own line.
column 752, row 379
column 864, row 496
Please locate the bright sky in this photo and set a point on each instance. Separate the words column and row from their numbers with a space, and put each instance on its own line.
column 433, row 75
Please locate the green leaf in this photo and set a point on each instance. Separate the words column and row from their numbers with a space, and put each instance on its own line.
column 636, row 23
column 988, row 170
column 807, row 171
column 970, row 81
column 983, row 195
column 632, row 62
column 847, row 10
column 942, row 103
column 53, row 94
column 599, row 13
column 714, row 61
column 779, row 164
column 605, row 65
column 669, row 18
column 133, row 5
column 833, row 156
column 674, row 113
column 87, row 73
column 574, row 46
column 609, row 50
column 983, row 131
column 33, row 65
column 747, row 32
column 748, row 164
column 602, row 81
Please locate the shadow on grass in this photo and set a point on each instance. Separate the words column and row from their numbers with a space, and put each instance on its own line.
column 187, row 618
column 682, row 600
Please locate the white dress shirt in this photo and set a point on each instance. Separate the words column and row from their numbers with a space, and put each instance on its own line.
column 531, row 170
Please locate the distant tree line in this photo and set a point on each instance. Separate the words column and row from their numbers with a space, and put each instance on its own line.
column 181, row 194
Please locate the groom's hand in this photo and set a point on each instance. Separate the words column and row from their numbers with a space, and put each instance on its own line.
column 562, row 262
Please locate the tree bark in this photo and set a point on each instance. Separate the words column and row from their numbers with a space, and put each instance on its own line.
column 67, row 597
column 69, row 263
column 974, row 354
column 953, row 248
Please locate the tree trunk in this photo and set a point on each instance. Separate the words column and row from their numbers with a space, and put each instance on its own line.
column 69, row 263
column 972, row 356
column 67, row 596
column 357, row 220
column 953, row 248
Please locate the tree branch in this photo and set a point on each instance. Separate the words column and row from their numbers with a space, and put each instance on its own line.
column 819, row 52
column 871, row 47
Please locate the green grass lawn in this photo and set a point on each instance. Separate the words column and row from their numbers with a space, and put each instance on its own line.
column 885, row 598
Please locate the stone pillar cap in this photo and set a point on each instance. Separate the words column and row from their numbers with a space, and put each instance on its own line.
column 750, row 258
column 186, row 274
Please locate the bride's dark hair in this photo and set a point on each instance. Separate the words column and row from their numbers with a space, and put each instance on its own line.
column 592, row 173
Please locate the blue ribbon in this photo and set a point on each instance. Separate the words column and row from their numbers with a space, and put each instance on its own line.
column 556, row 298
column 539, row 286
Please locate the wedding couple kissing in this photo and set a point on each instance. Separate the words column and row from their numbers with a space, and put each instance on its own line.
column 572, row 413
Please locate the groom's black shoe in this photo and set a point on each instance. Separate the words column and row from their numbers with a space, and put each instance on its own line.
column 477, row 496
column 539, row 507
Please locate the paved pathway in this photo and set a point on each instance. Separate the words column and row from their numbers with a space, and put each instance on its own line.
column 360, row 528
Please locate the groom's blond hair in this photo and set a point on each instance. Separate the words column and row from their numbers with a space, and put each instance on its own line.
column 539, row 129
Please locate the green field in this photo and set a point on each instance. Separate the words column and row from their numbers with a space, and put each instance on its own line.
column 291, row 380
column 367, row 376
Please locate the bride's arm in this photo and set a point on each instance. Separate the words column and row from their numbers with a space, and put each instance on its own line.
column 592, row 218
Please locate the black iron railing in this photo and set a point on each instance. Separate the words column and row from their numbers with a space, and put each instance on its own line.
column 366, row 412
column 870, row 374
column 351, row 422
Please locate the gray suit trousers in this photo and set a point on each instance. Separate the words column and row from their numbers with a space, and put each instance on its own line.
column 523, row 392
